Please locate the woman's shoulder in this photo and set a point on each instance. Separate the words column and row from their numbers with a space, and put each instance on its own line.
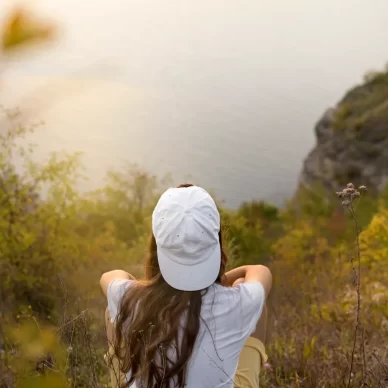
column 218, row 294
column 240, row 294
column 233, row 308
column 119, row 286
column 115, row 292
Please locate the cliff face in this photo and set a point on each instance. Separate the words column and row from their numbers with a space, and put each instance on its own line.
column 352, row 140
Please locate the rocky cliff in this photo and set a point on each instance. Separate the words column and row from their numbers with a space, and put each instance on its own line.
column 352, row 139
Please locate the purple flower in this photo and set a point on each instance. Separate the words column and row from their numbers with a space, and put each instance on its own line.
column 267, row 366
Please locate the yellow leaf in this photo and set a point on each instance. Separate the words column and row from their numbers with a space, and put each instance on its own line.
column 20, row 29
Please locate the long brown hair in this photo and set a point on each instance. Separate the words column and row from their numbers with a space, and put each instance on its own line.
column 150, row 341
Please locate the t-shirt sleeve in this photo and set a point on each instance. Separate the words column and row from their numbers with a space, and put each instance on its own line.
column 115, row 292
column 252, row 296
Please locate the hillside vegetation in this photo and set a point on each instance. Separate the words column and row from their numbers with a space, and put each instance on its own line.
column 55, row 243
column 364, row 105
column 352, row 139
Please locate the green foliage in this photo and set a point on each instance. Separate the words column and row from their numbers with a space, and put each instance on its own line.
column 39, row 355
column 364, row 105
column 249, row 244
column 254, row 211
column 374, row 243
column 32, row 229
column 126, row 202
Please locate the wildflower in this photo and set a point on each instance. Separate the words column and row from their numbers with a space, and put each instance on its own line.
column 349, row 194
column 267, row 366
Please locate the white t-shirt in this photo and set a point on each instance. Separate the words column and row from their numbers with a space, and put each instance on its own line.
column 229, row 316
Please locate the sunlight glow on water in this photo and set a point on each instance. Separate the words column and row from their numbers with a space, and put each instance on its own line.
column 228, row 92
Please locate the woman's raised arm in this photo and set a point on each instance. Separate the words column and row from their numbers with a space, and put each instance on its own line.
column 107, row 277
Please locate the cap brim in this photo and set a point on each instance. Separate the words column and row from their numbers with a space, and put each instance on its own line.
column 190, row 277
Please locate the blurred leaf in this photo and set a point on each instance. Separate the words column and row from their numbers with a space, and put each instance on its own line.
column 21, row 29
column 50, row 380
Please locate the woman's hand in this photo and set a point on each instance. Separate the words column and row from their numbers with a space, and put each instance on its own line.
column 251, row 273
column 235, row 274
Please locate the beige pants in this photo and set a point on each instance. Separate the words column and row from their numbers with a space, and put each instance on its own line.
column 252, row 358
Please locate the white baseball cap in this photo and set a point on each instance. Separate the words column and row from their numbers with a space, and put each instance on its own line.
column 186, row 224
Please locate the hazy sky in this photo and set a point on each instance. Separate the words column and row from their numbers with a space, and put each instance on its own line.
column 133, row 79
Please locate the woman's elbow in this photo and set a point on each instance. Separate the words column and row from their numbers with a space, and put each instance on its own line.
column 102, row 277
column 268, row 275
column 104, row 281
column 266, row 278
